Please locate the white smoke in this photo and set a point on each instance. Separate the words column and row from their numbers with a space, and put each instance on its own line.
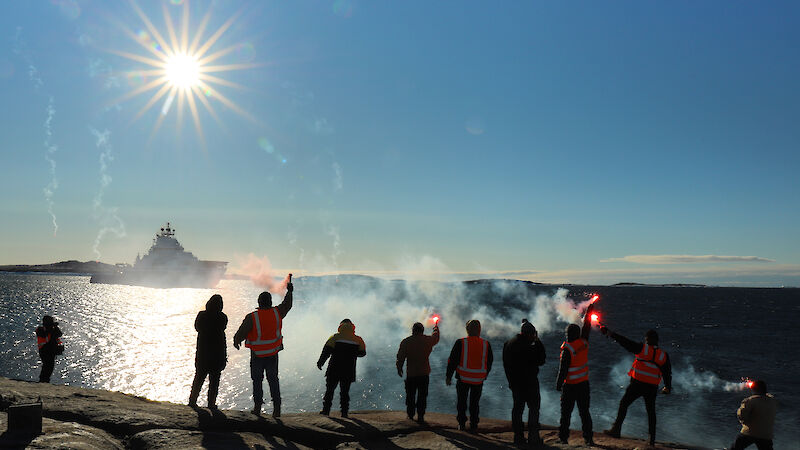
column 50, row 150
column 689, row 379
column 107, row 217
column 337, row 177
column 20, row 48
column 333, row 232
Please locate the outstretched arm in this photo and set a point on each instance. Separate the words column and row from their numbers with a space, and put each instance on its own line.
column 627, row 344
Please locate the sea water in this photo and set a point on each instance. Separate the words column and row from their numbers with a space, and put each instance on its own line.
column 142, row 341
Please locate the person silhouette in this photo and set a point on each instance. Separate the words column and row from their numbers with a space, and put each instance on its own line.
column 212, row 355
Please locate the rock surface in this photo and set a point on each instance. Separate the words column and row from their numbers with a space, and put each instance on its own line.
column 95, row 419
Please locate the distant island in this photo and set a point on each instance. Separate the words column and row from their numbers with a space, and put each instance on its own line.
column 72, row 266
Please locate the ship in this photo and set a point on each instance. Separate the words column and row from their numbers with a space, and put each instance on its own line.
column 166, row 265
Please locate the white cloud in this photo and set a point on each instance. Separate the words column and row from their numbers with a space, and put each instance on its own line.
column 685, row 259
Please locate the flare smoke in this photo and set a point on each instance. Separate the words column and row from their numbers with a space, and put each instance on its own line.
column 107, row 217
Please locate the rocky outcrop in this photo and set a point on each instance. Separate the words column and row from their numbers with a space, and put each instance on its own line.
column 95, row 419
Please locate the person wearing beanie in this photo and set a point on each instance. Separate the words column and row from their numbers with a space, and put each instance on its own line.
column 48, row 339
column 523, row 354
column 650, row 366
column 343, row 348
column 757, row 416
column 471, row 360
column 573, row 378
column 212, row 353
column 414, row 352
column 262, row 332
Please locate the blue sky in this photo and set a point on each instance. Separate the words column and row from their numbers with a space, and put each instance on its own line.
column 554, row 140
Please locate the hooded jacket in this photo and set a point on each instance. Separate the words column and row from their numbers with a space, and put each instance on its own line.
column 212, row 353
column 343, row 348
column 757, row 416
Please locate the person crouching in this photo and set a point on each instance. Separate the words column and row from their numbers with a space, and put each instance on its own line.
column 343, row 348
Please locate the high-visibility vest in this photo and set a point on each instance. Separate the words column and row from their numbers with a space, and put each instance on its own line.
column 646, row 366
column 472, row 366
column 265, row 338
column 578, row 371
column 42, row 340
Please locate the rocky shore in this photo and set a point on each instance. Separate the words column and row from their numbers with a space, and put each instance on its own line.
column 83, row 418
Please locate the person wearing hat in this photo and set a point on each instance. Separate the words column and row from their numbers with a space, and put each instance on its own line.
column 414, row 352
column 471, row 360
column 573, row 378
column 262, row 332
column 48, row 339
column 650, row 366
column 523, row 354
column 343, row 348
column 757, row 416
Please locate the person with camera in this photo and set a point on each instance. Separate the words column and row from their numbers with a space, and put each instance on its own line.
column 48, row 338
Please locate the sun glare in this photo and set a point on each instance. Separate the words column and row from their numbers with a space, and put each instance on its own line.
column 183, row 71
column 181, row 67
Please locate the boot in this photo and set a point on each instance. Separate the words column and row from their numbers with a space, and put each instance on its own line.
column 276, row 410
column 325, row 412
column 256, row 409
column 614, row 431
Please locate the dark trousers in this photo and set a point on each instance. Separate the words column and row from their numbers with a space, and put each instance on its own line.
column 635, row 390
column 213, row 386
column 417, row 395
column 570, row 395
column 260, row 366
column 331, row 381
column 743, row 441
column 48, row 364
column 526, row 395
column 474, row 392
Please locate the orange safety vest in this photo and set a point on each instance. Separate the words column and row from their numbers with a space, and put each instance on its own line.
column 472, row 367
column 578, row 371
column 41, row 341
column 265, row 338
column 646, row 366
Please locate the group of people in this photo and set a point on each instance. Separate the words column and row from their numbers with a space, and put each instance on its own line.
column 470, row 361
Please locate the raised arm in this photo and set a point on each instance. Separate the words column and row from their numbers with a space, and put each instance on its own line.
column 286, row 304
column 587, row 322
column 627, row 344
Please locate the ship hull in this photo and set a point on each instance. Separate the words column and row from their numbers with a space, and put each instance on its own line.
column 166, row 278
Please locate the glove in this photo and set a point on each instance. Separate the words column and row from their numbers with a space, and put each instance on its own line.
column 289, row 287
column 604, row 330
column 666, row 391
column 236, row 345
column 448, row 381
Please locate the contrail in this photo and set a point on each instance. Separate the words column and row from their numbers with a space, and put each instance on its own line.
column 108, row 218
column 50, row 148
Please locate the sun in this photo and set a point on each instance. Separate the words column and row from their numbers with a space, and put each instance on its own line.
column 180, row 69
column 183, row 71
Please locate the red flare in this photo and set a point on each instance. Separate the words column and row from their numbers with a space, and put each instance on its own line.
column 749, row 384
column 595, row 318
column 595, row 298
column 435, row 319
